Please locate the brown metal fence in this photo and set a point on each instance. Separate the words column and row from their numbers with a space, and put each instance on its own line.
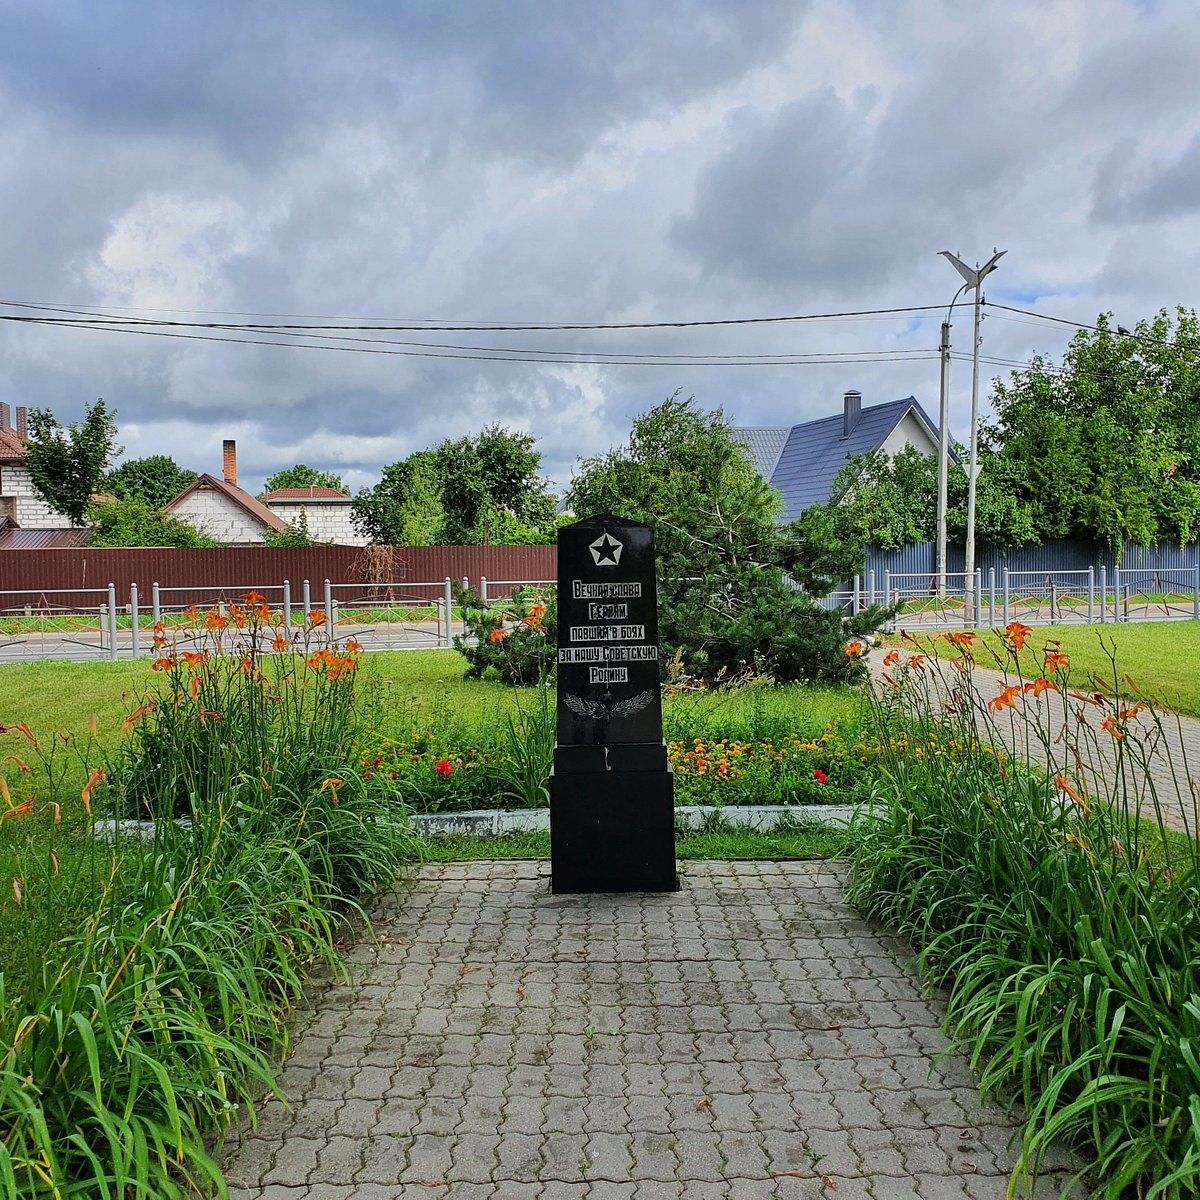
column 30, row 573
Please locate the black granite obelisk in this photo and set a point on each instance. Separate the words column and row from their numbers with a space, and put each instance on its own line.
column 612, row 807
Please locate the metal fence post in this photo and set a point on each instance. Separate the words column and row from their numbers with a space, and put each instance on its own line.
column 871, row 586
column 329, row 611
column 887, row 594
column 1116, row 593
column 1091, row 592
column 978, row 597
column 135, row 645
column 991, row 597
column 466, row 584
column 1053, row 598
column 1103, row 593
column 112, row 621
column 287, row 604
column 483, row 589
column 1004, row 585
column 307, row 599
column 155, row 605
column 448, row 600
column 856, row 603
column 1196, row 595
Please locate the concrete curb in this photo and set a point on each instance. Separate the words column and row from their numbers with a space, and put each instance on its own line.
column 499, row 822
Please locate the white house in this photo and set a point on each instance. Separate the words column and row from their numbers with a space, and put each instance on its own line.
column 802, row 461
column 19, row 502
column 221, row 509
column 325, row 511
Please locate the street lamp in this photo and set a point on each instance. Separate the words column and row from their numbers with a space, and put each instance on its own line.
column 972, row 279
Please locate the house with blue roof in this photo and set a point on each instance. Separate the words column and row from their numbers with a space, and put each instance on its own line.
column 801, row 462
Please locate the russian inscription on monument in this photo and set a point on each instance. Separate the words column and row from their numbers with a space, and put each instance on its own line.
column 611, row 793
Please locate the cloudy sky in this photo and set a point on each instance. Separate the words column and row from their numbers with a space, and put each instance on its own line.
column 609, row 161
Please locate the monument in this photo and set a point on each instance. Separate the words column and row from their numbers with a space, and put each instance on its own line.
column 612, row 795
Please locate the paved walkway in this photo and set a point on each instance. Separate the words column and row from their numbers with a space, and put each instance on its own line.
column 747, row 1037
column 1168, row 743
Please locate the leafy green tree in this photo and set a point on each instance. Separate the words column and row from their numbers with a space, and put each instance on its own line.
column 737, row 592
column 891, row 501
column 1107, row 445
column 302, row 476
column 155, row 480
column 66, row 466
column 487, row 479
column 405, row 507
column 482, row 490
column 133, row 522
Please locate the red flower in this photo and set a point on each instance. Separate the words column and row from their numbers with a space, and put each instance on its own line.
column 819, row 775
column 443, row 767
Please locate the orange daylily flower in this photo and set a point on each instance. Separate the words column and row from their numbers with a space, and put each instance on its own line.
column 963, row 638
column 853, row 648
column 86, row 794
column 252, row 598
column 192, row 613
column 1006, row 698
column 1080, row 800
column 195, row 660
column 891, row 658
column 22, row 728
column 1111, row 725
column 497, row 635
column 17, row 810
column 1040, row 685
column 1016, row 633
column 137, row 714
column 316, row 617
column 917, row 661
column 1056, row 660
column 214, row 620
column 163, row 664
column 537, row 611
column 354, row 646
column 282, row 642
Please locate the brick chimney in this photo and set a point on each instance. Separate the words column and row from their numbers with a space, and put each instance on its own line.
column 5, row 416
column 851, row 412
column 22, row 423
column 230, row 451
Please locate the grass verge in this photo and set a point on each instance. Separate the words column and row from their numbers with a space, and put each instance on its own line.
column 1160, row 660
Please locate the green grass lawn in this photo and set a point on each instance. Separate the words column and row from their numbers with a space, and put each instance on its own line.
column 1162, row 659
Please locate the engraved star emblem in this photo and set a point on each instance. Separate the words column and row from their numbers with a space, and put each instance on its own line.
column 606, row 550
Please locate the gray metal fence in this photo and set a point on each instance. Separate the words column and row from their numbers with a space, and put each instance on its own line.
column 93, row 623
column 992, row 598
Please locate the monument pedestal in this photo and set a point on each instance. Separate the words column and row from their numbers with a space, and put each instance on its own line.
column 613, row 831
column 612, row 794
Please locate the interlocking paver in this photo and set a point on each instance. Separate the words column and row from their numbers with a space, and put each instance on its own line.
column 746, row 1038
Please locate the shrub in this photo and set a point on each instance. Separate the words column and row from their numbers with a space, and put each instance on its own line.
column 514, row 640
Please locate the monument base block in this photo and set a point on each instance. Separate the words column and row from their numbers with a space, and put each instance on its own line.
column 612, row 831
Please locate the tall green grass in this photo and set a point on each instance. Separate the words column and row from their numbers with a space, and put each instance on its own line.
column 163, row 1011
column 1056, row 905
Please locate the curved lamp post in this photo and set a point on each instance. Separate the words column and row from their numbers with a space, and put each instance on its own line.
column 972, row 279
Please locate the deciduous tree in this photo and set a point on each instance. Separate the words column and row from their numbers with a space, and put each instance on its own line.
column 66, row 466
column 154, row 480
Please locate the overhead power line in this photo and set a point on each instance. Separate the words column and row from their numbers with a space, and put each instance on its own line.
column 489, row 354
column 109, row 317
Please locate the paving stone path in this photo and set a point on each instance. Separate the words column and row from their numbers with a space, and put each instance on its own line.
column 749, row 1037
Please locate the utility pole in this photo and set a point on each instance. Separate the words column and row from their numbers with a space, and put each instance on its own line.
column 943, row 454
column 973, row 280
